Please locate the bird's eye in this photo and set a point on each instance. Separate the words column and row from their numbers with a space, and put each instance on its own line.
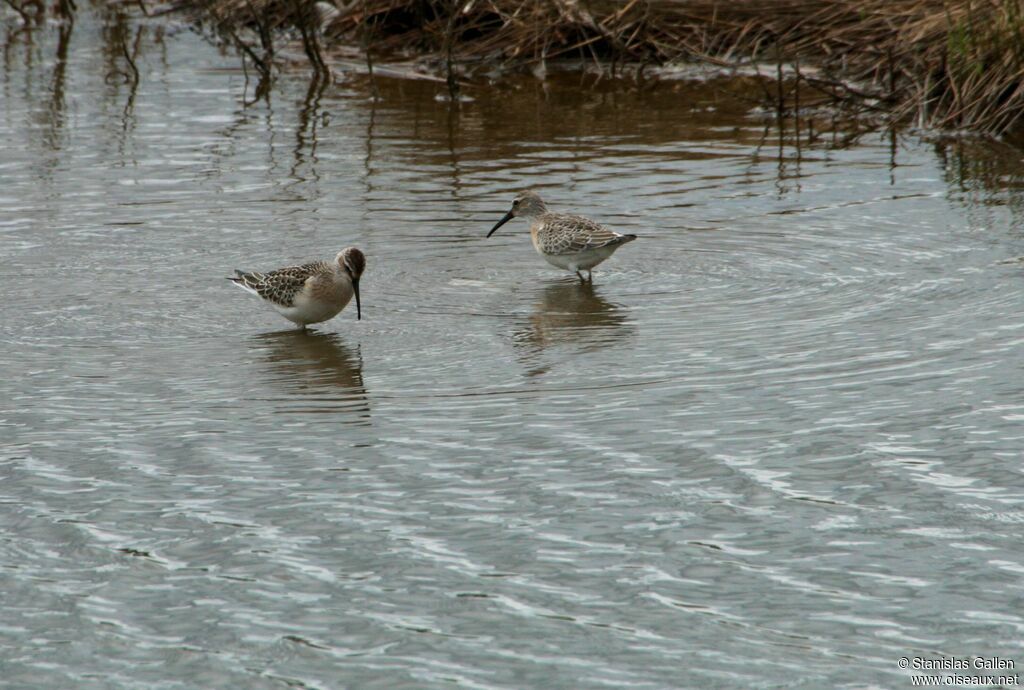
column 515, row 202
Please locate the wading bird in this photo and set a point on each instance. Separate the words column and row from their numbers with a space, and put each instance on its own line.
column 564, row 240
column 310, row 293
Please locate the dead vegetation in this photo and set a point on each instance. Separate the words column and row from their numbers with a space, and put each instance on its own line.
column 954, row 64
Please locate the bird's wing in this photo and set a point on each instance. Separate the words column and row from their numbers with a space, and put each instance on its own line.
column 283, row 285
column 568, row 234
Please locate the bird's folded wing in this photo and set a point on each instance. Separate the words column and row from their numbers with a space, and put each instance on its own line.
column 572, row 234
column 283, row 285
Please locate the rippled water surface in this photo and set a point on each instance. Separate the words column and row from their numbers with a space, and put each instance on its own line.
column 776, row 444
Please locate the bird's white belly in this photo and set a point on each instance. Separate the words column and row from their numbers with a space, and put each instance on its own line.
column 584, row 260
column 306, row 310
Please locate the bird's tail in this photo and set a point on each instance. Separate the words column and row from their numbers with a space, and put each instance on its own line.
column 626, row 238
column 244, row 280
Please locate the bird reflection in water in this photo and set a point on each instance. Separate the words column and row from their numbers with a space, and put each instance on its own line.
column 573, row 314
column 318, row 370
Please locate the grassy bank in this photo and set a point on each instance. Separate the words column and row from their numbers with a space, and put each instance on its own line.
column 957, row 64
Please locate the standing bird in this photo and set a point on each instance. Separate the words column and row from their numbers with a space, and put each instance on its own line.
column 567, row 241
column 310, row 293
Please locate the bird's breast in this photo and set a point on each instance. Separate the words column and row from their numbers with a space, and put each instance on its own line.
column 336, row 291
column 535, row 234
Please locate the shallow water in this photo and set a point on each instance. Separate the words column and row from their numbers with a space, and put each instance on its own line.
column 776, row 444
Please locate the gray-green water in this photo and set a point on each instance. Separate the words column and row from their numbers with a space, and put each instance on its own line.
column 777, row 444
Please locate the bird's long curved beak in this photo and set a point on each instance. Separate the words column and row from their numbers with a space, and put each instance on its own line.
column 506, row 218
column 359, row 307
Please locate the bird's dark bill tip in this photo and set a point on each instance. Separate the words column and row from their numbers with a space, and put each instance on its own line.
column 504, row 219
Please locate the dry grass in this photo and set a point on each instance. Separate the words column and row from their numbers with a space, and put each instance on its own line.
column 952, row 64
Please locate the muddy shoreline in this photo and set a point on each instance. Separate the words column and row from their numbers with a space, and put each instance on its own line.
column 938, row 65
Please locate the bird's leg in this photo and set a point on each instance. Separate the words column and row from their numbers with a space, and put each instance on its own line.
column 590, row 276
column 580, row 276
